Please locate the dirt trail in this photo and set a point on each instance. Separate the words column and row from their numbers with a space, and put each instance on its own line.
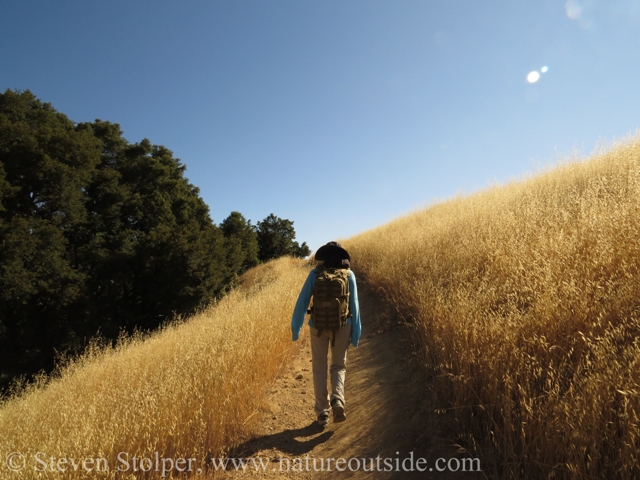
column 386, row 411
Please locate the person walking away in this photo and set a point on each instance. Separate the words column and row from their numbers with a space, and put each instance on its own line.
column 334, row 324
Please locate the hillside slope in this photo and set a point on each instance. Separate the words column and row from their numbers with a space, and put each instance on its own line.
column 520, row 303
column 189, row 391
column 526, row 298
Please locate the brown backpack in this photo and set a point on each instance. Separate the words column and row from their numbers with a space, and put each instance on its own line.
column 330, row 304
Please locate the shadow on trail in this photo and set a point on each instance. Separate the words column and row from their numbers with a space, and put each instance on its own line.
column 293, row 442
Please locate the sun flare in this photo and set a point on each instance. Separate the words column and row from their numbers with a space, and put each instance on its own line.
column 533, row 77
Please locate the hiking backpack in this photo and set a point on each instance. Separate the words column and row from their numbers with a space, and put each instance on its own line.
column 330, row 304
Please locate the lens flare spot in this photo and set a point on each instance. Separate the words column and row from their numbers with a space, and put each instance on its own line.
column 544, row 69
column 574, row 9
column 533, row 77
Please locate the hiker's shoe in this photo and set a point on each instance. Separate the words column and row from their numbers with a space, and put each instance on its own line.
column 338, row 410
column 323, row 419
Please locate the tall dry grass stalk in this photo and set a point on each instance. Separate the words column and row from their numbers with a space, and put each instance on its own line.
column 526, row 301
column 188, row 391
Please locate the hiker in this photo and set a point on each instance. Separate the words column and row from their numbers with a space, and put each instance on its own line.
column 334, row 323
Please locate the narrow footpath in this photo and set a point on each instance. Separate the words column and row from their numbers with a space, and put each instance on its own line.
column 386, row 410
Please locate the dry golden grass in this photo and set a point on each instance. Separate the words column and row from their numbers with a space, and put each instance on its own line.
column 526, row 301
column 188, row 391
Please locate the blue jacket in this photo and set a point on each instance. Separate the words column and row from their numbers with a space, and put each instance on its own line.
column 304, row 298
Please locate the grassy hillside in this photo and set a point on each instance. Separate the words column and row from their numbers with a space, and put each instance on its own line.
column 526, row 302
column 187, row 392
column 526, row 305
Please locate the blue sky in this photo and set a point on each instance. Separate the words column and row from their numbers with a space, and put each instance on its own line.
column 338, row 115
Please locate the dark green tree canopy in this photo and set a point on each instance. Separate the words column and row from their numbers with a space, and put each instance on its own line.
column 276, row 238
column 242, row 242
column 98, row 234
column 45, row 163
column 46, row 160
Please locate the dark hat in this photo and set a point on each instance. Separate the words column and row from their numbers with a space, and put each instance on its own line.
column 332, row 248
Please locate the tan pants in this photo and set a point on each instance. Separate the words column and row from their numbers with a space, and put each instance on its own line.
column 320, row 346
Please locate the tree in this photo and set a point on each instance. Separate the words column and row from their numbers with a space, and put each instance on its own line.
column 45, row 162
column 151, row 242
column 276, row 238
column 99, row 235
column 96, row 234
column 242, row 243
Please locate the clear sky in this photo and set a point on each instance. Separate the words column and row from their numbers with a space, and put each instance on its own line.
column 338, row 115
